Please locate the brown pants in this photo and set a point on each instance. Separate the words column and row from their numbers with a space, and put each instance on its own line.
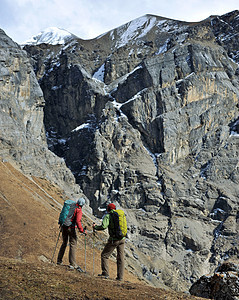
column 107, row 251
column 68, row 233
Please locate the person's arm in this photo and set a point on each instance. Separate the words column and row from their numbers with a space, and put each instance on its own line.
column 105, row 223
column 78, row 213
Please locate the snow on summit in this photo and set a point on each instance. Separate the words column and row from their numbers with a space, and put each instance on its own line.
column 135, row 29
column 51, row 35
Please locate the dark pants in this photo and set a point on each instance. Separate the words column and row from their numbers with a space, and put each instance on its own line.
column 68, row 233
column 107, row 251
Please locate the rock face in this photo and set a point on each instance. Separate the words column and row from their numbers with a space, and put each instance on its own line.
column 223, row 285
column 22, row 135
column 146, row 116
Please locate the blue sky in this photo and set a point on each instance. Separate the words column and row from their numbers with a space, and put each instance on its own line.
column 22, row 19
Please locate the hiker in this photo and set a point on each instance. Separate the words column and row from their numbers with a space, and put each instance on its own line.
column 69, row 232
column 113, row 242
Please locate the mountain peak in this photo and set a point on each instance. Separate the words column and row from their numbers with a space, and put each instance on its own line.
column 51, row 35
column 133, row 30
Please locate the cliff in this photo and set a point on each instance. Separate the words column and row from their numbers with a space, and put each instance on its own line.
column 146, row 116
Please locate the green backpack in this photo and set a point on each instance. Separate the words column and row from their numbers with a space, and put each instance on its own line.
column 119, row 229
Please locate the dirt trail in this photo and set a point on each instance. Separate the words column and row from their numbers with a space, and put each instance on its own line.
column 21, row 280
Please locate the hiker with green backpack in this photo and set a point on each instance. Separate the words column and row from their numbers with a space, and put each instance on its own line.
column 69, row 219
column 116, row 223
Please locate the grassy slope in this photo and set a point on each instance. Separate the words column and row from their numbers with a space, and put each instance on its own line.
column 28, row 232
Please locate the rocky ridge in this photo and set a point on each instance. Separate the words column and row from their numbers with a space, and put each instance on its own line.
column 146, row 116
column 222, row 285
column 22, row 135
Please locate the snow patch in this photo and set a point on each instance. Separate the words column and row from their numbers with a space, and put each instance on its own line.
column 82, row 126
column 117, row 105
column 163, row 48
column 142, row 210
column 83, row 171
column 56, row 87
column 51, row 35
column 62, row 141
column 153, row 156
column 133, row 30
column 234, row 133
column 204, row 170
column 100, row 73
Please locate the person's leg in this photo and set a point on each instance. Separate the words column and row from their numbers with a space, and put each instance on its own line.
column 63, row 245
column 73, row 244
column 120, row 260
column 107, row 251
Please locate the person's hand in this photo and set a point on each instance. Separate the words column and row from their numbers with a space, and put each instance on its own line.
column 85, row 232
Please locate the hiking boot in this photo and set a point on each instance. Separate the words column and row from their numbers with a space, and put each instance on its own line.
column 71, row 267
column 119, row 279
column 79, row 269
column 59, row 263
column 103, row 276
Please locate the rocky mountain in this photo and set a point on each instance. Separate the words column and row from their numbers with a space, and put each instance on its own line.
column 22, row 132
column 146, row 116
column 52, row 36
column 222, row 285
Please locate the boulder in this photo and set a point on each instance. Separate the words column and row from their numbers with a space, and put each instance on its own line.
column 222, row 285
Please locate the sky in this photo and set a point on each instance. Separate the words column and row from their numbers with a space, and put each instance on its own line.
column 22, row 19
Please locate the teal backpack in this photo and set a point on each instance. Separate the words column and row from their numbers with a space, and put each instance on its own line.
column 67, row 212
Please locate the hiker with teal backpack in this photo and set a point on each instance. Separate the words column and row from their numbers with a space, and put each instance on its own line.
column 69, row 219
column 115, row 221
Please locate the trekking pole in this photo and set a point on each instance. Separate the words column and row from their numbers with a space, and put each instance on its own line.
column 85, row 248
column 56, row 245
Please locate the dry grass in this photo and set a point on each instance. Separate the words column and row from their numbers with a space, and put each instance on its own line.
column 22, row 280
column 28, row 232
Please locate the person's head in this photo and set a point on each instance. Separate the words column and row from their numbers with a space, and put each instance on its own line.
column 81, row 201
column 110, row 207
